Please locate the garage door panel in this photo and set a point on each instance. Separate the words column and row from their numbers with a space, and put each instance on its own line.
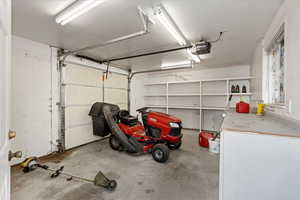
column 115, row 96
column 75, row 116
column 79, row 135
column 123, row 106
column 82, row 95
column 82, row 75
column 116, row 81
column 83, row 87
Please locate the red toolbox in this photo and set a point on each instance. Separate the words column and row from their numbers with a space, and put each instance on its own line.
column 204, row 137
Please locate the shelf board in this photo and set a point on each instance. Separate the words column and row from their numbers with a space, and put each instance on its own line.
column 184, row 107
column 204, row 80
column 214, row 94
column 175, row 107
column 241, row 78
column 156, row 95
column 204, row 94
column 184, row 82
column 187, row 107
column 213, row 108
column 151, row 84
column 241, row 94
column 154, row 106
column 183, row 95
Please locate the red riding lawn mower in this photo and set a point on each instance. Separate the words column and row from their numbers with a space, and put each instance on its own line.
column 156, row 134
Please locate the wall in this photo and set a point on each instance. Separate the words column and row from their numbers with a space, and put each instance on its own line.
column 257, row 72
column 289, row 15
column 35, row 95
column 200, row 73
column 138, row 89
column 32, row 99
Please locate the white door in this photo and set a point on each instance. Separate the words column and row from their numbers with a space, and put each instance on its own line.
column 5, row 66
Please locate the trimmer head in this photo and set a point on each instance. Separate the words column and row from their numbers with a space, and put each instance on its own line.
column 103, row 181
column 29, row 164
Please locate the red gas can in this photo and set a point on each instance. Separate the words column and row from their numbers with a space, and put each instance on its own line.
column 242, row 107
column 204, row 137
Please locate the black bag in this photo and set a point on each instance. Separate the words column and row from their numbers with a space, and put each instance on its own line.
column 100, row 127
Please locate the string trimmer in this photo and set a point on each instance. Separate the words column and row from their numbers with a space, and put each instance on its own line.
column 31, row 163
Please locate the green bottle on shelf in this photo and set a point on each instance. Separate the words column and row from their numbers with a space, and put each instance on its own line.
column 237, row 89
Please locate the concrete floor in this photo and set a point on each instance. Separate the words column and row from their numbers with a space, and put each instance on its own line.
column 191, row 173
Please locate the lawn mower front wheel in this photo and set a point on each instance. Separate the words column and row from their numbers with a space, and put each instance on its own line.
column 174, row 146
column 160, row 153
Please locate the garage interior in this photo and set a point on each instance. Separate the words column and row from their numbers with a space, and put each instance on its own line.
column 150, row 99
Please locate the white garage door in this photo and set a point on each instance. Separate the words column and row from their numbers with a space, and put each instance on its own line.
column 116, row 90
column 83, row 87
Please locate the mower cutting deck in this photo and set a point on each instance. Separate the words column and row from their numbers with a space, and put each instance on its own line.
column 157, row 134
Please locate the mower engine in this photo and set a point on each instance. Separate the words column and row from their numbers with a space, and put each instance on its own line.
column 162, row 126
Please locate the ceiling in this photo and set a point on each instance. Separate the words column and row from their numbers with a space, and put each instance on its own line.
column 245, row 21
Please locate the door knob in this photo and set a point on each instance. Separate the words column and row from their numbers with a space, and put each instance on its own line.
column 11, row 155
column 11, row 134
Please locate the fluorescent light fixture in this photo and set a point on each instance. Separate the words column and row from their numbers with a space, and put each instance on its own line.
column 195, row 58
column 164, row 18
column 169, row 24
column 185, row 64
column 205, row 56
column 76, row 9
column 145, row 14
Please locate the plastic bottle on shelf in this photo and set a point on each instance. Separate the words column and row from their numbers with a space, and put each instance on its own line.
column 244, row 89
column 233, row 89
column 237, row 89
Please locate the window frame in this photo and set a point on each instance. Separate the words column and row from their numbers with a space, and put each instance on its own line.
column 280, row 34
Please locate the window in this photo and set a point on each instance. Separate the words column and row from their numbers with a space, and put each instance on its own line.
column 276, row 69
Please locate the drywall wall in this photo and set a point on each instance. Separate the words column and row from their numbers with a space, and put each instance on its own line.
column 257, row 72
column 35, row 95
column 200, row 73
column 190, row 117
column 31, row 111
column 289, row 15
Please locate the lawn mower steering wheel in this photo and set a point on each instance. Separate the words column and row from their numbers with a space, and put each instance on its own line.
column 123, row 114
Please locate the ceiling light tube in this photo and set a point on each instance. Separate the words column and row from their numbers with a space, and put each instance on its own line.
column 169, row 24
column 165, row 19
column 188, row 64
column 75, row 10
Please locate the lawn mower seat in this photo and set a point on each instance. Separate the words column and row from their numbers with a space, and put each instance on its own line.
column 127, row 119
